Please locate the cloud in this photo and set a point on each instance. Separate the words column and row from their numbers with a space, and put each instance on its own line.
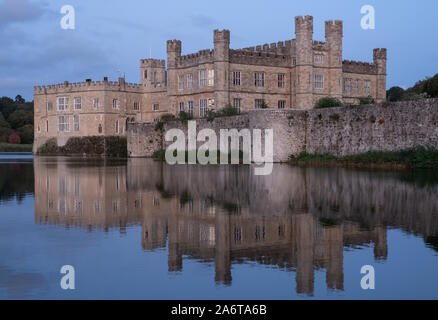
column 21, row 11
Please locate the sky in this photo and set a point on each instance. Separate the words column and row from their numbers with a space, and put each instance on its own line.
column 111, row 36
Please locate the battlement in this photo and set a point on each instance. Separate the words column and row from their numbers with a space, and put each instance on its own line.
column 333, row 28
column 262, row 58
column 153, row 63
column 358, row 67
column 200, row 57
column 67, row 87
column 379, row 53
column 280, row 47
column 222, row 35
column 319, row 45
column 303, row 24
column 174, row 46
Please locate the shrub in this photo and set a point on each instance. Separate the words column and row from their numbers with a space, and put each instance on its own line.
column 264, row 105
column 328, row 103
column 184, row 117
column 227, row 111
column 366, row 100
column 14, row 138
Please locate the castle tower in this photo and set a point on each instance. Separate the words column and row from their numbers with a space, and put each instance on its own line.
column 153, row 73
column 333, row 36
column 304, row 60
column 173, row 53
column 379, row 56
column 221, row 68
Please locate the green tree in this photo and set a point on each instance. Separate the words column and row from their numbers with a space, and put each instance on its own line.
column 3, row 122
column 431, row 87
column 20, row 118
column 395, row 94
column 19, row 99
column 26, row 134
column 328, row 103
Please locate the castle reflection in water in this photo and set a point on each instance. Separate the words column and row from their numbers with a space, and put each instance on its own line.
column 297, row 219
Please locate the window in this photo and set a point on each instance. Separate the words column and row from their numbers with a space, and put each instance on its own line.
column 96, row 103
column 78, row 103
column 206, row 78
column 39, row 129
column 76, row 122
column 259, row 79
column 367, row 87
column 203, row 78
column 294, row 61
column 347, row 85
column 281, row 80
column 154, row 77
column 190, row 81
column 210, row 78
column 99, row 129
column 49, row 106
column 62, row 103
column 136, row 106
column 281, row 104
column 63, row 124
column 145, row 74
column 319, row 81
column 117, row 126
column 156, row 107
column 115, row 104
column 190, row 108
column 181, row 82
column 237, row 103
column 236, row 78
column 47, row 125
column 203, row 105
column 259, row 103
column 181, row 106
column 318, row 59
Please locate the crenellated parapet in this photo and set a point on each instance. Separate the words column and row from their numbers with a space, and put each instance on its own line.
column 349, row 66
column 200, row 57
column 153, row 63
column 280, row 47
column 320, row 46
column 88, row 85
column 262, row 58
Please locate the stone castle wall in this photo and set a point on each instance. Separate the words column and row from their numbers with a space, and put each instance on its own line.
column 336, row 131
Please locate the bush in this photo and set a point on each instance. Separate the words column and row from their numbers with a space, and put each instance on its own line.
column 184, row 117
column 14, row 138
column 366, row 100
column 328, row 103
column 227, row 111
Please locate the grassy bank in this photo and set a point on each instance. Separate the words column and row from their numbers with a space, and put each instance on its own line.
column 417, row 158
column 8, row 147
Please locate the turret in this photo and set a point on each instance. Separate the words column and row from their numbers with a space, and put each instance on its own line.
column 221, row 67
column 173, row 52
column 379, row 56
column 304, row 62
column 333, row 36
column 153, row 73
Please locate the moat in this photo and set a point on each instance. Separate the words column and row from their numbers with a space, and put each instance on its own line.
column 146, row 230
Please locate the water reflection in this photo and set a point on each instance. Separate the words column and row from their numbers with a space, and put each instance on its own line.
column 297, row 219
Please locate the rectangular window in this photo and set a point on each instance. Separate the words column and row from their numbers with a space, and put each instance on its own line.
column 78, row 103
column 203, row 78
column 63, row 124
column 347, row 85
column 210, row 78
column 367, row 87
column 259, row 79
column 190, row 81
column 203, row 105
column 181, row 106
column 49, row 106
column 62, row 103
column 281, row 104
column 96, row 103
column 281, row 78
column 190, row 108
column 136, row 106
column 76, row 122
column 237, row 103
column 115, row 104
column 236, row 78
column 181, row 82
column 156, row 107
column 319, row 81
column 318, row 58
column 47, row 125
column 258, row 103
column 117, row 126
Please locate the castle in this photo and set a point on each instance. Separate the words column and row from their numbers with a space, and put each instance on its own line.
column 288, row 74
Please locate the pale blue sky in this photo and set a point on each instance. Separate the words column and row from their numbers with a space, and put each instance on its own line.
column 112, row 36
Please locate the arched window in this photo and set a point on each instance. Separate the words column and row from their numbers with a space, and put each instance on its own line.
column 100, row 128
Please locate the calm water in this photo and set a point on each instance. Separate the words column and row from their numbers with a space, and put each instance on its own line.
column 142, row 229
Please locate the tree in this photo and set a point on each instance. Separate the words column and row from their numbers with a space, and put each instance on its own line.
column 431, row 87
column 20, row 118
column 14, row 138
column 19, row 99
column 26, row 134
column 3, row 122
column 395, row 94
column 328, row 103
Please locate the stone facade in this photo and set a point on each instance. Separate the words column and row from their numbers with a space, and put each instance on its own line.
column 335, row 131
column 288, row 74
